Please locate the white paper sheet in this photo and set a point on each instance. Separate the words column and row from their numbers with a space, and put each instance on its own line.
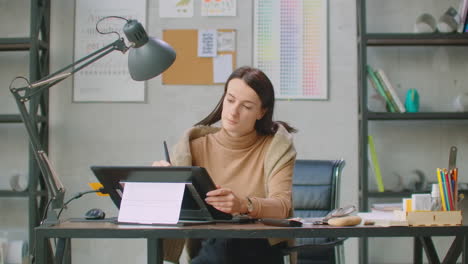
column 218, row 7
column 222, row 68
column 226, row 41
column 207, row 43
column 151, row 203
column 175, row 8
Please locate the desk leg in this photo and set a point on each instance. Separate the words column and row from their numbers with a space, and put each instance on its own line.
column 430, row 250
column 417, row 251
column 63, row 251
column 40, row 250
column 454, row 251
column 155, row 251
column 465, row 249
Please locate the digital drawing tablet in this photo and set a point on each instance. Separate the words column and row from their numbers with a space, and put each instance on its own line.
column 196, row 179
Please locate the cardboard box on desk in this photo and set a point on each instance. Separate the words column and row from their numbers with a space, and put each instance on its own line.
column 430, row 218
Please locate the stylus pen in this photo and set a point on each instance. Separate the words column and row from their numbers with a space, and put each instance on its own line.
column 166, row 152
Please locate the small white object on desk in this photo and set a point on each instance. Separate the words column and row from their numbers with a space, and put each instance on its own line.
column 436, row 202
column 17, row 251
column 382, row 219
column 421, row 202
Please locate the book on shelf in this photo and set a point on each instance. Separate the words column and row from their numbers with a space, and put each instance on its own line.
column 380, row 88
column 374, row 164
column 392, row 94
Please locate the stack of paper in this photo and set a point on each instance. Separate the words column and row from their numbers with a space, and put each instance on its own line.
column 382, row 219
column 387, row 207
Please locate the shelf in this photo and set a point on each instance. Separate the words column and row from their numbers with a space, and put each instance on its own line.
column 17, row 119
column 9, row 193
column 10, row 119
column 400, row 194
column 35, row 46
column 390, row 194
column 19, row 44
column 5, row 193
column 410, row 39
column 370, row 47
column 417, row 116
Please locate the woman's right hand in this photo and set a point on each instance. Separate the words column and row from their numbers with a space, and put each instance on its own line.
column 161, row 163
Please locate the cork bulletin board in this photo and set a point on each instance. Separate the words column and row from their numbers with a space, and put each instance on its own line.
column 188, row 68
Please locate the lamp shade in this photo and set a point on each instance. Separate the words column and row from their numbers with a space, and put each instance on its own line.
column 148, row 57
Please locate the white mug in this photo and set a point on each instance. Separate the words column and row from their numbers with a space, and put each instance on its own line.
column 448, row 22
column 460, row 103
column 425, row 23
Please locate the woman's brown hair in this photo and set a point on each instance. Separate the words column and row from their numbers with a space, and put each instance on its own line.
column 262, row 85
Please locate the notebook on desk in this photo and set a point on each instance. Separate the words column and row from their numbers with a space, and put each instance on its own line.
column 197, row 183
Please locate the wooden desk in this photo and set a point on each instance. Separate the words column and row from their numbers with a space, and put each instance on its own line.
column 154, row 234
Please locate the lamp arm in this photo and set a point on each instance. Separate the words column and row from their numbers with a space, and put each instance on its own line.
column 60, row 75
column 30, row 119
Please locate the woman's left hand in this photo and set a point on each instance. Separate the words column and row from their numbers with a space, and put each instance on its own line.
column 225, row 200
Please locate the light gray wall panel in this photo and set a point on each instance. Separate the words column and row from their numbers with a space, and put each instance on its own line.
column 85, row 134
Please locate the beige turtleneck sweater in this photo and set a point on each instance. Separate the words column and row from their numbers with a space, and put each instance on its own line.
column 238, row 163
column 266, row 177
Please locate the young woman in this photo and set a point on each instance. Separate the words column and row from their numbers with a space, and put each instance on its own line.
column 251, row 160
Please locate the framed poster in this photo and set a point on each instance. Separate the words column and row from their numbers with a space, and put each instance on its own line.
column 108, row 79
column 290, row 46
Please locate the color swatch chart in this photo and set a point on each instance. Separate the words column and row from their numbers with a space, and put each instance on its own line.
column 290, row 46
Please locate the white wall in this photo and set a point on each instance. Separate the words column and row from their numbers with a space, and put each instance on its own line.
column 85, row 134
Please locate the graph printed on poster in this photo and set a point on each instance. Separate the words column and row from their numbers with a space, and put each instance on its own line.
column 108, row 79
column 290, row 46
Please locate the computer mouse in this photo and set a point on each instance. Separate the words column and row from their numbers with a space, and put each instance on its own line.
column 94, row 214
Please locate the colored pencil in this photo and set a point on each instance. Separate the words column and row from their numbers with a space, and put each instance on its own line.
column 441, row 189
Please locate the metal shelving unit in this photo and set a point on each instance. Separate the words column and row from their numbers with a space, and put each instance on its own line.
column 37, row 45
column 366, row 40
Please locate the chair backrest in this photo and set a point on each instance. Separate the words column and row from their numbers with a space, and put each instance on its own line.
column 316, row 187
column 315, row 193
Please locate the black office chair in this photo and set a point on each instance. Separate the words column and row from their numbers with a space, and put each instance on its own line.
column 315, row 193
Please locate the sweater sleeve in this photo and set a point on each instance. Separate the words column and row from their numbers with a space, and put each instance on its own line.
column 279, row 201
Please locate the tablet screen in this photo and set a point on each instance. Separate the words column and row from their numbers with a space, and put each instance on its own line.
column 197, row 180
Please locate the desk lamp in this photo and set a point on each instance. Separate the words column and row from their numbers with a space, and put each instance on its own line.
column 147, row 58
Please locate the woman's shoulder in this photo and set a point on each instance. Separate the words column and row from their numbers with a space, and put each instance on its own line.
column 283, row 135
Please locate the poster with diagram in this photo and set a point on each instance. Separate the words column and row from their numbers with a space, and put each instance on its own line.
column 108, row 79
